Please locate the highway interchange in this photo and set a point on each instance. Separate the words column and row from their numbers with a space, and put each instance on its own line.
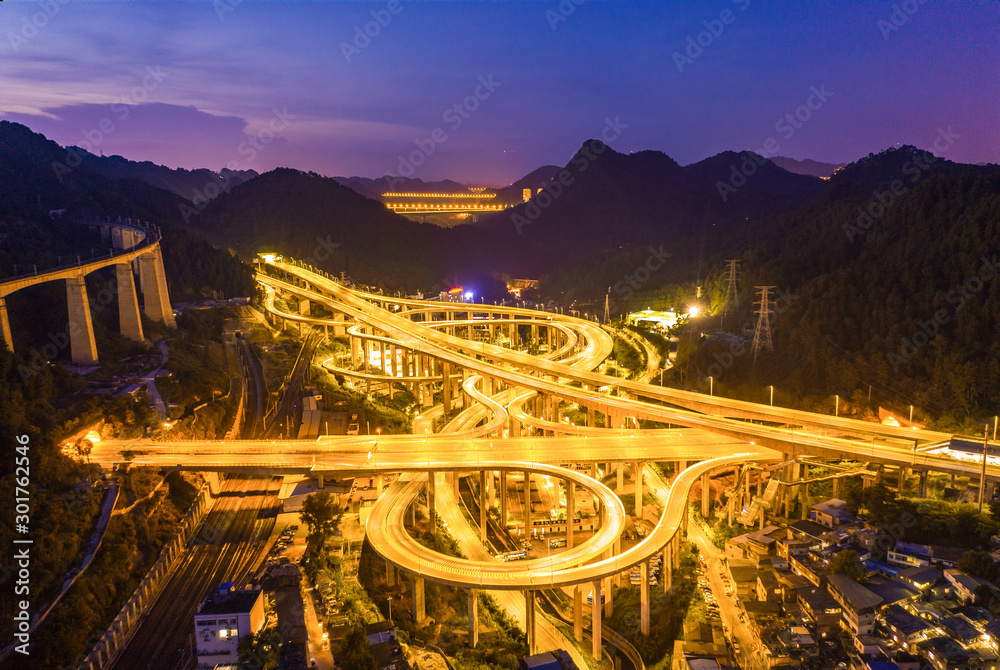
column 509, row 421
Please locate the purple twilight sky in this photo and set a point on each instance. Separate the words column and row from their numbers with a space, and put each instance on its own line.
column 484, row 92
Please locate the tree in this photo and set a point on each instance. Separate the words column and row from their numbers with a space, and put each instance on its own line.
column 355, row 652
column 979, row 564
column 847, row 563
column 321, row 514
column 260, row 650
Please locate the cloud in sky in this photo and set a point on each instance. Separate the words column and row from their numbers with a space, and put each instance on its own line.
column 357, row 116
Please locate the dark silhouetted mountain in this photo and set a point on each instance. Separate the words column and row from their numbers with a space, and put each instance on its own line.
column 193, row 185
column 807, row 166
column 38, row 175
column 533, row 180
column 317, row 219
column 604, row 200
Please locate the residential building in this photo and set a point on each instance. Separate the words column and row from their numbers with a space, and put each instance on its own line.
column 831, row 513
column 906, row 629
column 385, row 647
column 223, row 617
column 964, row 585
column 859, row 604
column 920, row 578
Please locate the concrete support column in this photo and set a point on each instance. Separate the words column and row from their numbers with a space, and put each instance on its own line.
column 578, row 613
column 503, row 498
column 432, row 501
column 644, row 599
column 483, row 521
column 638, row 466
column 595, row 623
column 390, row 574
column 378, row 486
column 129, row 323
column 83, row 346
column 923, row 484
column 620, row 477
column 570, row 513
column 446, row 388
column 419, row 611
column 706, row 496
column 304, row 306
column 527, row 504
column 591, row 417
column 491, row 489
column 473, row 618
column 529, row 621
column 836, row 487
column 154, row 289
column 8, row 336
column 667, row 568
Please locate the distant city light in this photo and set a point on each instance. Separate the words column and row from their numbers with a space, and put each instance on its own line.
column 468, row 295
column 693, row 310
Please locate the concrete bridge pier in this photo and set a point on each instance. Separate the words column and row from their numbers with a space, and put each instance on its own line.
column 595, row 622
column 503, row 498
column 483, row 521
column 644, row 599
column 706, row 496
column 8, row 336
column 83, row 346
column 129, row 322
column 432, row 502
column 529, row 621
column 527, row 504
column 667, row 572
column 570, row 513
column 923, row 484
column 619, row 477
column 638, row 467
column 473, row 618
column 419, row 608
column 578, row 613
column 154, row 289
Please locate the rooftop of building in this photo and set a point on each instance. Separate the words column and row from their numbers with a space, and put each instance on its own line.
column 903, row 621
column 809, row 528
column 921, row 577
column 890, row 590
column 856, row 595
column 228, row 600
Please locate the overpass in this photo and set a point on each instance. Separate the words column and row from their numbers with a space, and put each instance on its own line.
column 132, row 244
column 509, row 424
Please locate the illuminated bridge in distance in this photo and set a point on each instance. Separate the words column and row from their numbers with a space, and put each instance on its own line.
column 443, row 203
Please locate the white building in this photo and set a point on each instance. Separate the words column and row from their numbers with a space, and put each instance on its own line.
column 223, row 618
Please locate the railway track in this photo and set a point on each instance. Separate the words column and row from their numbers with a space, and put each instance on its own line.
column 223, row 551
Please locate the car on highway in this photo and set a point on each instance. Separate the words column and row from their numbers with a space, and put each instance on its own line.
column 353, row 429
